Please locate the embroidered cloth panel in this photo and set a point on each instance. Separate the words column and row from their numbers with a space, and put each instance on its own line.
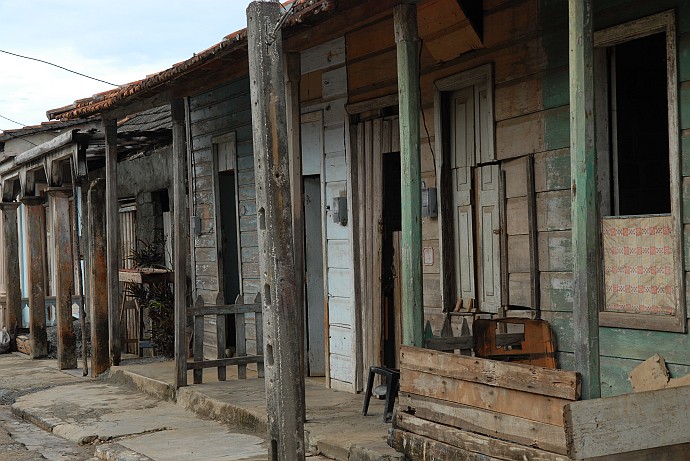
column 638, row 265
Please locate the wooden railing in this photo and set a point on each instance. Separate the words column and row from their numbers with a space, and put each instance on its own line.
column 241, row 359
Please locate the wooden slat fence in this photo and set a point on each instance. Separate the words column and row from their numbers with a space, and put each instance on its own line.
column 241, row 359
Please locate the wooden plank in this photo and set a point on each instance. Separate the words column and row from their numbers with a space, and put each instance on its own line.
column 480, row 440
column 544, row 381
column 526, row 405
column 198, row 365
column 555, row 251
column 518, row 253
column 419, row 448
column 629, row 422
column 668, row 453
column 553, row 210
column 516, row 216
column 223, row 309
column 520, row 289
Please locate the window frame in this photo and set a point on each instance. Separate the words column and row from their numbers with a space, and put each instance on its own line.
column 664, row 22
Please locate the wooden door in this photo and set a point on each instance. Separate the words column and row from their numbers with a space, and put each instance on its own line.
column 314, row 277
column 489, row 238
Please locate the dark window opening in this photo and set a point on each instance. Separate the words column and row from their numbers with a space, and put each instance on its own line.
column 640, row 104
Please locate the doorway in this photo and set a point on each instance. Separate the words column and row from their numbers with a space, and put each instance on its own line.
column 390, row 265
column 227, row 207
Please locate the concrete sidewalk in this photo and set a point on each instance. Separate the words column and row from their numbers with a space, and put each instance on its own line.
column 135, row 414
column 335, row 426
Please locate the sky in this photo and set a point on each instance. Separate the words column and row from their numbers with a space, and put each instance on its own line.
column 117, row 41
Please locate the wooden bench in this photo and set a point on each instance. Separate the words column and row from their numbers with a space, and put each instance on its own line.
column 241, row 359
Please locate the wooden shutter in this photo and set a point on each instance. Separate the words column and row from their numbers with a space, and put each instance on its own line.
column 484, row 126
column 489, row 233
column 462, row 161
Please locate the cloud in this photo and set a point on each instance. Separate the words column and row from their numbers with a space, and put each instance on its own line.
column 118, row 42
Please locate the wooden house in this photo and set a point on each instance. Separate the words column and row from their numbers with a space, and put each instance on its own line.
column 495, row 137
column 49, row 179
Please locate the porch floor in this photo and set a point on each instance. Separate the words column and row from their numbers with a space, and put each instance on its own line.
column 335, row 426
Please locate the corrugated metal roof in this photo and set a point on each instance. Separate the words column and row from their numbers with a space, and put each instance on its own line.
column 112, row 98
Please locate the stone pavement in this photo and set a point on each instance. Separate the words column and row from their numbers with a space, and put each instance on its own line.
column 211, row 421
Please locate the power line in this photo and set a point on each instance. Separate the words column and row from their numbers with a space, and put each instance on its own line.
column 12, row 136
column 59, row 67
column 13, row 121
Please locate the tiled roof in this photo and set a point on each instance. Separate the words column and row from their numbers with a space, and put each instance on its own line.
column 112, row 98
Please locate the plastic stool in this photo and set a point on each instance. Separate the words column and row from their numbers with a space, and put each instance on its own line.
column 392, row 384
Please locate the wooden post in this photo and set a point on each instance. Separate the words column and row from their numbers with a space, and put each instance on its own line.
column 98, row 278
column 284, row 379
column 64, row 274
column 294, row 127
column 583, row 162
column 181, row 238
column 113, row 239
column 36, row 233
column 13, row 297
column 407, row 45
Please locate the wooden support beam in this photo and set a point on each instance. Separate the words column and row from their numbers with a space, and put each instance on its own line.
column 292, row 88
column 181, row 238
column 112, row 236
column 36, row 233
column 98, row 278
column 583, row 161
column 407, row 44
column 282, row 341
column 13, row 296
column 64, row 275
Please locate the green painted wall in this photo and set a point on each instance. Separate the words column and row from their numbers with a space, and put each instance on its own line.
column 621, row 349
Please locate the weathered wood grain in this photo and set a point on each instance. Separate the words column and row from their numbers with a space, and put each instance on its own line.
column 422, row 448
column 538, row 380
column 630, row 422
column 530, row 406
column 456, row 432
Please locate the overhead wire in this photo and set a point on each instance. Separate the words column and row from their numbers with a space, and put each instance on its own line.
column 13, row 136
column 58, row 66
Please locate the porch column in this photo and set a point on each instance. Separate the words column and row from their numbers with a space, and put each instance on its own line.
column 36, row 234
column 98, row 278
column 112, row 236
column 407, row 45
column 294, row 125
column 181, row 238
column 13, row 297
column 583, row 201
column 64, row 275
column 284, row 379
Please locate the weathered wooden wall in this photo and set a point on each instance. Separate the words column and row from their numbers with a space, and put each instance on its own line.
column 621, row 349
column 526, row 42
column 213, row 113
column 324, row 88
